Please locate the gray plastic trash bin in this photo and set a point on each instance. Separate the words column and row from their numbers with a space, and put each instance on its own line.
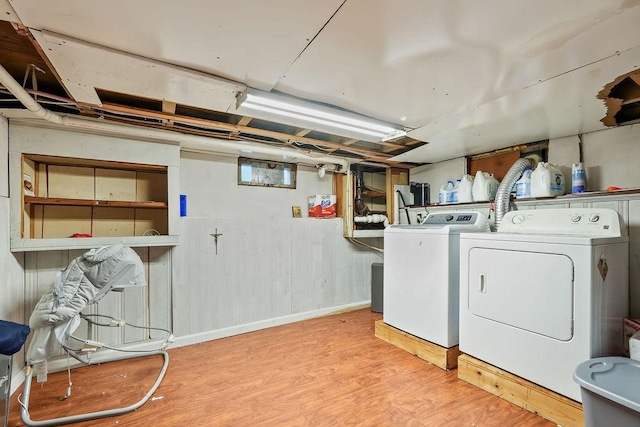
column 610, row 389
column 5, row 388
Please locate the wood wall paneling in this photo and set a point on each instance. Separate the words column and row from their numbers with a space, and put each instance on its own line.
column 131, row 305
column 151, row 186
column 264, row 270
column 498, row 165
column 264, row 253
column 29, row 172
column 633, row 228
column 70, row 182
column 159, row 287
column 313, row 262
column 112, row 222
column 148, row 220
column 64, row 221
column 114, row 184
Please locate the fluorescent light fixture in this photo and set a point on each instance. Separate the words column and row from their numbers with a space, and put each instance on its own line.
column 309, row 115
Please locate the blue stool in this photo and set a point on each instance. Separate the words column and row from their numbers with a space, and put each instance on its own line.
column 12, row 338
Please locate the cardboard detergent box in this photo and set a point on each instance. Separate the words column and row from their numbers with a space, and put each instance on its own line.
column 631, row 326
column 322, row 206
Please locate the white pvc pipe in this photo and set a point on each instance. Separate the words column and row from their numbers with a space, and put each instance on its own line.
column 373, row 219
column 185, row 140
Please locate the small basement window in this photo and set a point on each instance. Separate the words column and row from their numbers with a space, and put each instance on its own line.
column 266, row 174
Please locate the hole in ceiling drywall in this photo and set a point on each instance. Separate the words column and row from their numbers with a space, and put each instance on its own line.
column 622, row 99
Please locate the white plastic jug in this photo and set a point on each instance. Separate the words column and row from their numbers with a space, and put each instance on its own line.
column 446, row 193
column 485, row 187
column 523, row 185
column 454, row 195
column 578, row 178
column 547, row 180
column 465, row 189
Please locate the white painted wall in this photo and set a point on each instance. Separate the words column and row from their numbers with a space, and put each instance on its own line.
column 269, row 268
column 437, row 175
column 12, row 285
column 611, row 158
column 4, row 157
column 211, row 185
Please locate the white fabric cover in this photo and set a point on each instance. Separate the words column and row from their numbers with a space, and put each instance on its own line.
column 85, row 281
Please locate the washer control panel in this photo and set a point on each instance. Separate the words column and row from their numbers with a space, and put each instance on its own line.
column 442, row 218
column 578, row 222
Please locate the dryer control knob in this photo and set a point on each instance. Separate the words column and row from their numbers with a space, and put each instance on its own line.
column 594, row 218
column 448, row 217
column 517, row 219
column 576, row 218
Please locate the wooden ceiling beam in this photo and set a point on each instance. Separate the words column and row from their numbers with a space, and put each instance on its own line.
column 170, row 108
column 244, row 120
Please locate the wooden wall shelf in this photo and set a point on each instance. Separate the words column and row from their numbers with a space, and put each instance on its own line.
column 35, row 245
column 85, row 202
column 66, row 183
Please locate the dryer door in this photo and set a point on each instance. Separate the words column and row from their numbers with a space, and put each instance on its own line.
column 531, row 291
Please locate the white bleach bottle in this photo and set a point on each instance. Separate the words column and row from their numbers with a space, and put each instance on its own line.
column 523, row 185
column 446, row 193
column 578, row 178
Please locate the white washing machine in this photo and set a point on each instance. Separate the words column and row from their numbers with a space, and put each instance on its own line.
column 546, row 292
column 421, row 272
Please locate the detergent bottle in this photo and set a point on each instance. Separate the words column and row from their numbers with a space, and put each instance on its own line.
column 578, row 178
column 523, row 185
column 446, row 193
column 547, row 180
column 465, row 189
column 485, row 187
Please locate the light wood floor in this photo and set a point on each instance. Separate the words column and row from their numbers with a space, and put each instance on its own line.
column 330, row 371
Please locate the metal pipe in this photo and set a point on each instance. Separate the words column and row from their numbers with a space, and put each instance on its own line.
column 503, row 195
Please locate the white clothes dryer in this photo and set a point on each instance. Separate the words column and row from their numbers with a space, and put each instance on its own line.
column 546, row 292
column 421, row 275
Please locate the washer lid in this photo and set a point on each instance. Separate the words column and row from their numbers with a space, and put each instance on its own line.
column 591, row 222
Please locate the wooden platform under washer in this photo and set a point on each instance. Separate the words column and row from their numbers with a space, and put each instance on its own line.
column 552, row 406
column 444, row 358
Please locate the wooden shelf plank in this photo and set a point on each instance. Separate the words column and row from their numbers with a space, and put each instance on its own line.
column 85, row 202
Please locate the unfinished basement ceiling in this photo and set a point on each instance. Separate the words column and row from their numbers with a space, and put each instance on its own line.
column 464, row 76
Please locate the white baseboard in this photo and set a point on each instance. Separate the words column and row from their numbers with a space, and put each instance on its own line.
column 263, row 324
column 17, row 380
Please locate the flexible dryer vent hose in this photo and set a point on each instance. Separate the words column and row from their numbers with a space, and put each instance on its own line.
column 503, row 194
